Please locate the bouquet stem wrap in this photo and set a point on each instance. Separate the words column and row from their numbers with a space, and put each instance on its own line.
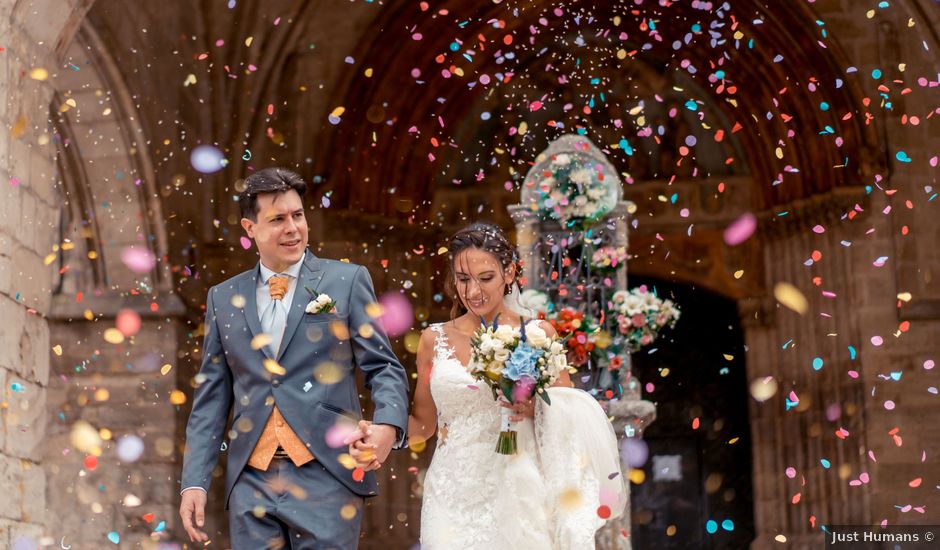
column 506, row 444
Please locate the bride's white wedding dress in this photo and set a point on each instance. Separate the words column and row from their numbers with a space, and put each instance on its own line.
column 544, row 497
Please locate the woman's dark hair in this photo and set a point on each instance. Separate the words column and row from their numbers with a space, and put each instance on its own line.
column 269, row 180
column 488, row 238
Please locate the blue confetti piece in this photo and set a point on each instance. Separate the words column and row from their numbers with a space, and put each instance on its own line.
column 851, row 353
column 817, row 363
column 114, row 537
column 824, row 106
column 711, row 526
column 825, row 463
column 876, row 73
column 160, row 527
column 902, row 156
column 17, row 387
column 727, row 525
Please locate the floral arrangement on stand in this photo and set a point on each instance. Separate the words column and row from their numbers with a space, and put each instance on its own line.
column 572, row 191
column 608, row 259
column 640, row 316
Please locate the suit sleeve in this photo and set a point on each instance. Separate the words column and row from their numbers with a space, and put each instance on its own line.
column 212, row 402
column 385, row 377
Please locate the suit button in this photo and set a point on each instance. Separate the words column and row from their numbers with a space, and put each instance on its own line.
column 276, row 383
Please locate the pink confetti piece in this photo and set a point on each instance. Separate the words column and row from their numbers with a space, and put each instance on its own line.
column 819, row 229
column 741, row 229
column 138, row 260
column 14, row 181
column 245, row 242
column 877, row 340
column 928, row 364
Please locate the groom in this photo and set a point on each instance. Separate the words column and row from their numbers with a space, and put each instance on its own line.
column 281, row 345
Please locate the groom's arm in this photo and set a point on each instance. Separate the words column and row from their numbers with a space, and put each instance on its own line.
column 212, row 402
column 384, row 374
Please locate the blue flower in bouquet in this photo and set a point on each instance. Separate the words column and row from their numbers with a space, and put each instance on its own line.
column 523, row 362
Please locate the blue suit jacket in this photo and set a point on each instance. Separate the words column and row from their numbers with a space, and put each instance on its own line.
column 311, row 397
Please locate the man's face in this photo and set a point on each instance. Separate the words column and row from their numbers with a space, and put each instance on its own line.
column 281, row 229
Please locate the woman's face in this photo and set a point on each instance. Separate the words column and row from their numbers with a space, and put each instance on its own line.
column 481, row 281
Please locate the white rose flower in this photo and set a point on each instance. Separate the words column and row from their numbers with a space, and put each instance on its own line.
column 556, row 348
column 501, row 355
column 505, row 333
column 536, row 336
column 486, row 344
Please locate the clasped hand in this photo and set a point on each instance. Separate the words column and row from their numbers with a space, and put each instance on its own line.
column 370, row 444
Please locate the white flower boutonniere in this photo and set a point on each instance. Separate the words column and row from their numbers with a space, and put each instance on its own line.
column 321, row 303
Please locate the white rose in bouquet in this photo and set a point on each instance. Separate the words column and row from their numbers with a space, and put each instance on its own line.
column 486, row 344
column 536, row 336
column 556, row 347
column 501, row 355
column 505, row 333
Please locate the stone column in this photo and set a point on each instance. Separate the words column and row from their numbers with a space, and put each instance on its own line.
column 131, row 389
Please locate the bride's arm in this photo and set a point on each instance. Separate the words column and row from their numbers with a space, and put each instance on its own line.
column 422, row 423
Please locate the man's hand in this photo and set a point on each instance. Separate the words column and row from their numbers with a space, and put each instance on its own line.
column 370, row 444
column 193, row 503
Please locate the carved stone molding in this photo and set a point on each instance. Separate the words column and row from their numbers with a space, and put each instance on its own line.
column 797, row 216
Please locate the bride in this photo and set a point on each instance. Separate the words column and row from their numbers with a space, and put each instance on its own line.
column 565, row 479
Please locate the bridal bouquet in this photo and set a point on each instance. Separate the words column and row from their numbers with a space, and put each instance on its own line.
column 640, row 315
column 517, row 364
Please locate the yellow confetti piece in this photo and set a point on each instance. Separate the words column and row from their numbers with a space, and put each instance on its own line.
column 102, row 394
column 790, row 296
column 84, row 437
column 113, row 336
column 523, row 128
column 57, row 349
column 105, row 434
column 89, row 316
column 190, row 79
column 39, row 74
column 328, row 373
column 18, row 127
column 273, row 367
column 177, row 397
column 738, row 274
column 904, row 296
column 764, row 388
column 339, row 330
column 346, row 461
column 781, row 538
column 665, row 372
column 621, row 54
column 728, row 357
column 348, row 512
column 442, row 250
column 412, row 339
column 248, row 41
column 165, row 369
column 368, row 72
column 49, row 259
column 570, row 499
column 338, row 112
column 260, row 341
column 637, row 476
column 366, row 331
column 778, row 152
column 238, row 301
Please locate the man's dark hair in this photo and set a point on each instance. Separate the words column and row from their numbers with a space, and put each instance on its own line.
column 269, row 180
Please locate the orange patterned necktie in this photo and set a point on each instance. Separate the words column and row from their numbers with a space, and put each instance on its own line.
column 278, row 286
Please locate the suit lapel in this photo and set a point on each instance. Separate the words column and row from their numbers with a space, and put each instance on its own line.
column 310, row 275
column 248, row 288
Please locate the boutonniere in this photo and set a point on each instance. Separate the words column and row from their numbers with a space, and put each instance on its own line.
column 320, row 302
